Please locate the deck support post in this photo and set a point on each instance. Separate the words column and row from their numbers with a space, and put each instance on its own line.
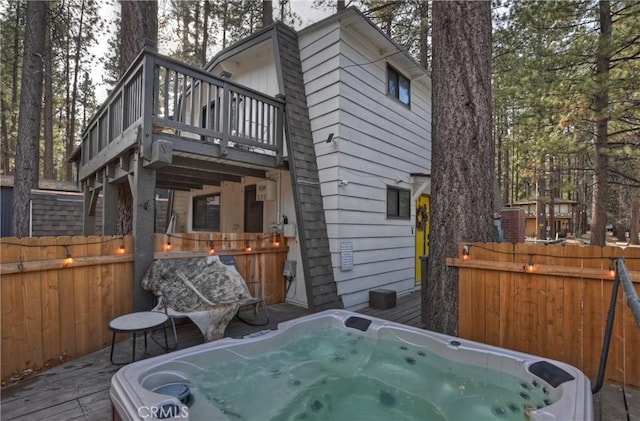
column 88, row 217
column 109, row 206
column 144, row 182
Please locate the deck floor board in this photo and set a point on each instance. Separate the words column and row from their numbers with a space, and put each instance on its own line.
column 79, row 390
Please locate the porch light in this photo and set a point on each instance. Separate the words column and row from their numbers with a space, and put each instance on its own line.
column 212, row 249
column 247, row 247
column 612, row 267
column 122, row 248
column 465, row 252
column 530, row 267
column 69, row 259
column 168, row 247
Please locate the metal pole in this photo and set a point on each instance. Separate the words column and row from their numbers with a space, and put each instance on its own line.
column 607, row 335
column 629, row 291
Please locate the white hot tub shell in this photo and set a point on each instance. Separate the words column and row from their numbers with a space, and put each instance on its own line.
column 151, row 389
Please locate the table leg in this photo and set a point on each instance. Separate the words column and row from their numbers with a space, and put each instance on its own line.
column 113, row 342
column 133, row 359
column 166, row 341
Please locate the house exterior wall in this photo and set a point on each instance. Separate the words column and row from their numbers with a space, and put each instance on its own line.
column 232, row 213
column 378, row 142
column 254, row 68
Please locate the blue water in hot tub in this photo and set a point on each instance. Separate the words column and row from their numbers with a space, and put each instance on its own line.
column 331, row 374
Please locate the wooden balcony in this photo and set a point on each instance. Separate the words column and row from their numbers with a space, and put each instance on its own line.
column 171, row 112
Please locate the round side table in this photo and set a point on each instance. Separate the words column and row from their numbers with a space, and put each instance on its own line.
column 134, row 323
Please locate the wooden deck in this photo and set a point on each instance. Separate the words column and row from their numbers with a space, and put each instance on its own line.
column 79, row 390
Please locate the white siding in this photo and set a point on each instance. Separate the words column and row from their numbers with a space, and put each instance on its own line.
column 254, row 68
column 378, row 142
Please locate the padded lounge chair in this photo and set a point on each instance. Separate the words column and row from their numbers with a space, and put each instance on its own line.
column 256, row 288
column 198, row 289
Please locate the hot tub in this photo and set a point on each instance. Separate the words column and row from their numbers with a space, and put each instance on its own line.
column 339, row 365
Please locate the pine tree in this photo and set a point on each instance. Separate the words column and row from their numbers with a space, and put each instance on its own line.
column 11, row 39
column 463, row 152
column 27, row 155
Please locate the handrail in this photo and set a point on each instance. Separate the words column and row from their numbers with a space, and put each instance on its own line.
column 629, row 291
column 622, row 277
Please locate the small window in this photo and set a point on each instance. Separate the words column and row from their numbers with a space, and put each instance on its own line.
column 398, row 86
column 398, row 203
column 206, row 213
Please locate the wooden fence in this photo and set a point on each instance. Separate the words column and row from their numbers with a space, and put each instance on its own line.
column 550, row 301
column 58, row 294
column 258, row 256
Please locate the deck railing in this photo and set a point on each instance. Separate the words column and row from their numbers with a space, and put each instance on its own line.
column 162, row 95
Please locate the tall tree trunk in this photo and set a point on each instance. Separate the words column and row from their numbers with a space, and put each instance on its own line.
column 139, row 24
column 67, row 103
column 225, row 23
column 634, row 229
column 74, row 93
column 267, row 13
column 552, row 198
column 14, row 71
column 541, row 206
column 463, row 150
column 4, row 133
column 600, row 106
column 205, row 32
column 424, row 34
column 48, row 167
column 26, row 177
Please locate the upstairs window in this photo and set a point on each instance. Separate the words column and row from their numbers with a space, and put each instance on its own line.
column 398, row 86
column 398, row 203
column 206, row 213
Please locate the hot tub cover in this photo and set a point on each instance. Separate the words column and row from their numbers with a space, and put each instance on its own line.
column 202, row 288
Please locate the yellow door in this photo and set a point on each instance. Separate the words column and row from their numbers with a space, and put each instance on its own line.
column 423, row 224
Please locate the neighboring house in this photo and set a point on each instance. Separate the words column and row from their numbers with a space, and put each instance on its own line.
column 324, row 134
column 563, row 216
column 55, row 209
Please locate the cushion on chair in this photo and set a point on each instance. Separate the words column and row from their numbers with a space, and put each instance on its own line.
column 203, row 288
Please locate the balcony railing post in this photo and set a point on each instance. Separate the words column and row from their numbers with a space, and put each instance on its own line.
column 226, row 106
column 280, row 129
column 147, row 105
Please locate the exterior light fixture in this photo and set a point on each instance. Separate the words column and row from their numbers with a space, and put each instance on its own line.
column 530, row 267
column 212, row 249
column 612, row 267
column 466, row 252
column 69, row 259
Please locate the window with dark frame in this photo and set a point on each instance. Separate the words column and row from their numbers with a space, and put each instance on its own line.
column 206, row 213
column 398, row 203
column 398, row 86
